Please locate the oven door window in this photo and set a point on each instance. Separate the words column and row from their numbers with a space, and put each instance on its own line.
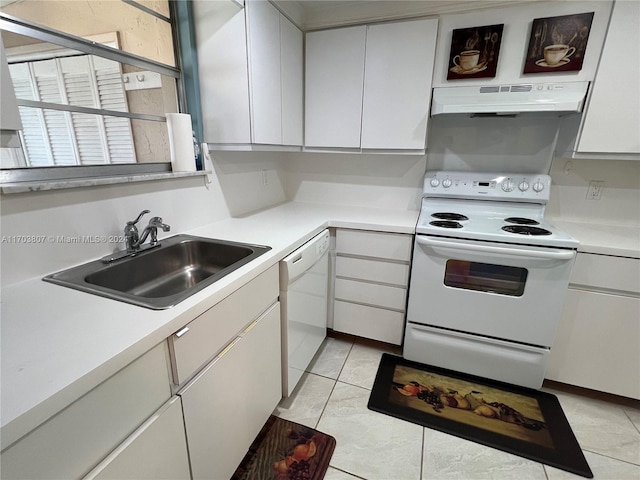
column 485, row 277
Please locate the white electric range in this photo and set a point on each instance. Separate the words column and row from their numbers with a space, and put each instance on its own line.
column 489, row 276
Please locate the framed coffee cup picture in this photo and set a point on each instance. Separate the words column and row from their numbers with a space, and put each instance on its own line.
column 474, row 52
column 558, row 44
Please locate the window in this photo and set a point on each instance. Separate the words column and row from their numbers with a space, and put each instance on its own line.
column 94, row 81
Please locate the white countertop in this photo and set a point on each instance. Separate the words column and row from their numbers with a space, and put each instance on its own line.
column 616, row 240
column 58, row 343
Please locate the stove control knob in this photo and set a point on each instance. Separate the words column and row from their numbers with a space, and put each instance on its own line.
column 524, row 186
column 434, row 182
column 446, row 183
column 508, row 185
column 538, row 186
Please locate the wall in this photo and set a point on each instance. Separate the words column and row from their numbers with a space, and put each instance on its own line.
column 377, row 181
column 521, row 144
column 249, row 180
column 620, row 201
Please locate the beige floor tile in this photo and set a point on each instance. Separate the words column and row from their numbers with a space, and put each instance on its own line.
column 307, row 401
column 330, row 359
column 602, row 427
column 334, row 474
column 448, row 457
column 361, row 366
column 634, row 416
column 368, row 444
column 603, row 468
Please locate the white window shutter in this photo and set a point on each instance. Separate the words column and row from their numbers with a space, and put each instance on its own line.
column 57, row 137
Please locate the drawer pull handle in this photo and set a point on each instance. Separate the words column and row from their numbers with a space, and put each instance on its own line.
column 181, row 332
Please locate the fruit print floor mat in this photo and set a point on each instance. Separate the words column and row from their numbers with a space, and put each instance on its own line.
column 518, row 420
column 285, row 450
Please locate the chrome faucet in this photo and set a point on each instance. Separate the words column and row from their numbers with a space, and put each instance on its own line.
column 134, row 240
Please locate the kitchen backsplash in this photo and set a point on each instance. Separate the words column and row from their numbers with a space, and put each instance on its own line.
column 572, row 191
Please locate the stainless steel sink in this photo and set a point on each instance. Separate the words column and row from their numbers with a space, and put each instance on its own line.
column 161, row 277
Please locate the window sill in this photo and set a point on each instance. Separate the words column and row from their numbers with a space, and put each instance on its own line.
column 43, row 185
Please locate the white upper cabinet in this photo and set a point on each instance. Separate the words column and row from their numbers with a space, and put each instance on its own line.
column 291, row 81
column 263, row 39
column 334, row 85
column 9, row 115
column 250, row 70
column 612, row 118
column 369, row 87
column 397, row 84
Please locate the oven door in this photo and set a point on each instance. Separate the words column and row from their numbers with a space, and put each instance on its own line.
column 496, row 290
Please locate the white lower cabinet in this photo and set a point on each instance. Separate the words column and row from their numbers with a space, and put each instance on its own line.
column 156, row 451
column 228, row 402
column 598, row 341
column 370, row 291
column 74, row 441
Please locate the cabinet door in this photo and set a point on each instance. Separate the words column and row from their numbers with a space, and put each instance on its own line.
column 263, row 39
column 157, row 450
column 613, row 114
column 397, row 84
column 227, row 404
column 222, row 71
column 597, row 343
column 291, row 68
column 9, row 115
column 334, row 85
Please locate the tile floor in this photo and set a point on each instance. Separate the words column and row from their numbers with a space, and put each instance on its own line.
column 332, row 397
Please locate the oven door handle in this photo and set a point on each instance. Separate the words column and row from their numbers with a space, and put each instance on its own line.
column 520, row 252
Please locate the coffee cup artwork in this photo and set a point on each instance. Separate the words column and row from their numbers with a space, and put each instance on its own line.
column 558, row 44
column 474, row 52
column 467, row 60
column 556, row 54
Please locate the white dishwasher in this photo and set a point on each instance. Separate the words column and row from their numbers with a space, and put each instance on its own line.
column 304, row 279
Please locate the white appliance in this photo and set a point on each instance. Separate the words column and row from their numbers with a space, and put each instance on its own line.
column 510, row 99
column 304, row 280
column 489, row 276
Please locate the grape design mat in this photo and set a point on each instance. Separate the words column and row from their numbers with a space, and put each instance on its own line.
column 518, row 420
column 285, row 450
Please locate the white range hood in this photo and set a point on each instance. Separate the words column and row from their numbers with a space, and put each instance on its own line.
column 510, row 99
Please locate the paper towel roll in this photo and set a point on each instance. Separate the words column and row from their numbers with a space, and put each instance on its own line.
column 181, row 142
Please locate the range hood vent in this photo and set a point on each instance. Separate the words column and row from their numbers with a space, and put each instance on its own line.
column 510, row 99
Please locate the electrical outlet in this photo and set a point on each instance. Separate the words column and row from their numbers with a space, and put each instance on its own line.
column 265, row 178
column 595, row 190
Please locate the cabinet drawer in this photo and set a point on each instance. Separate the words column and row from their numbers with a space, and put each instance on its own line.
column 602, row 271
column 156, row 451
column 226, row 404
column 216, row 327
column 72, row 442
column 393, row 246
column 370, row 293
column 373, row 270
column 368, row 322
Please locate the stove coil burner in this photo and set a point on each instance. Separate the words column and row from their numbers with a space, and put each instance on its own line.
column 526, row 230
column 449, row 216
column 521, row 221
column 445, row 224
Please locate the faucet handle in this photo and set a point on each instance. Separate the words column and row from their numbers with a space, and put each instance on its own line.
column 144, row 212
